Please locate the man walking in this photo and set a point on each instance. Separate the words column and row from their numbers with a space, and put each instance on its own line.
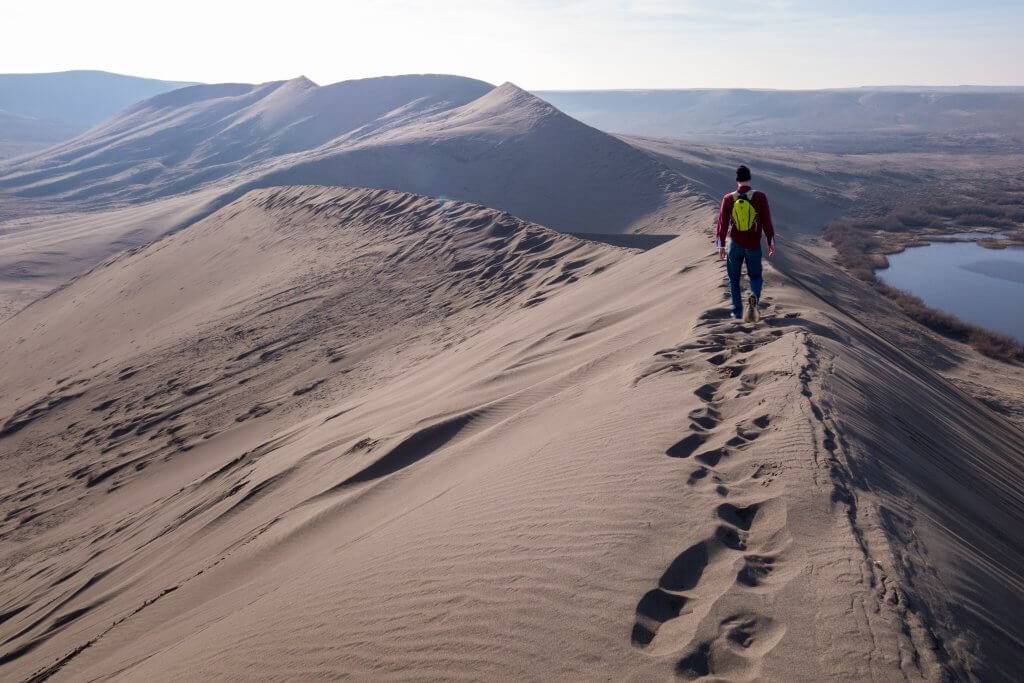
column 743, row 218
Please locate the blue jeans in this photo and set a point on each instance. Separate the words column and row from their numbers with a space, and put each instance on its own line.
column 734, row 264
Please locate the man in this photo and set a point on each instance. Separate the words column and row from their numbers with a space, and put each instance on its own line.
column 743, row 218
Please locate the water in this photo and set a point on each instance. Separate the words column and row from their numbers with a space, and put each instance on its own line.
column 978, row 285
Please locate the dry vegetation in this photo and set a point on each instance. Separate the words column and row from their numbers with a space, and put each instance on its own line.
column 893, row 223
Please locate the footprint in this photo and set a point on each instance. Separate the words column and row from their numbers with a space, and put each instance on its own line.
column 676, row 594
column 731, row 537
column 755, row 570
column 707, row 392
column 667, row 616
column 732, row 371
column 749, row 430
column 654, row 609
column 766, row 471
column 685, row 571
column 713, row 314
column 686, row 447
column 706, row 418
column 696, row 664
column 740, row 517
column 713, row 457
column 697, row 475
column 736, row 651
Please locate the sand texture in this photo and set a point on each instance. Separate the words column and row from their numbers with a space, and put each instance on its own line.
column 175, row 158
column 331, row 432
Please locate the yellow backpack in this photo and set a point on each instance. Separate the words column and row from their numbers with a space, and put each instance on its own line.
column 743, row 212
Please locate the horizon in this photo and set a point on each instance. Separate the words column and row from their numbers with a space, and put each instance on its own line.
column 542, row 44
column 866, row 86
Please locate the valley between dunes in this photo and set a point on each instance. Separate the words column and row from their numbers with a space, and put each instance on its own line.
column 341, row 432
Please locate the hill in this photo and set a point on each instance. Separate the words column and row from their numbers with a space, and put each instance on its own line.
column 175, row 142
column 168, row 161
column 438, row 135
column 21, row 134
column 53, row 107
column 513, row 151
column 375, row 434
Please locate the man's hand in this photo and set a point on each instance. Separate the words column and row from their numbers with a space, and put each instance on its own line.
column 771, row 249
column 721, row 253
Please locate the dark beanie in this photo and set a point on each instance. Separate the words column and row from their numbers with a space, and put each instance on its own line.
column 742, row 174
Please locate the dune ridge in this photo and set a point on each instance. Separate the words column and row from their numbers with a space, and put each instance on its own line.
column 169, row 161
column 40, row 110
column 176, row 141
column 381, row 434
column 438, row 135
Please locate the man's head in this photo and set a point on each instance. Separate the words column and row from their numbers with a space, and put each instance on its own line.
column 742, row 175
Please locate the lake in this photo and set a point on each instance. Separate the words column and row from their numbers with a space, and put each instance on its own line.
column 978, row 285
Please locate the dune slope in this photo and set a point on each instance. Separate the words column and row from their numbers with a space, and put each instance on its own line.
column 178, row 157
column 437, row 135
column 41, row 110
column 513, row 151
column 374, row 434
column 179, row 140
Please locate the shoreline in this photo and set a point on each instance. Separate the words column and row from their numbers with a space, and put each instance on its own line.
column 864, row 253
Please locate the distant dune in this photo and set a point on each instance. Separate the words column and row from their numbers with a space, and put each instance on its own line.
column 175, row 142
column 332, row 432
column 22, row 134
column 437, row 135
column 510, row 150
column 172, row 159
column 48, row 108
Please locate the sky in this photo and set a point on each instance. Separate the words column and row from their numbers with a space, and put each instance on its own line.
column 537, row 44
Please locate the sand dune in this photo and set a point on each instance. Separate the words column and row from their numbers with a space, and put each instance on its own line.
column 513, row 151
column 22, row 134
column 171, row 160
column 375, row 434
column 438, row 135
column 40, row 110
column 43, row 246
column 179, row 140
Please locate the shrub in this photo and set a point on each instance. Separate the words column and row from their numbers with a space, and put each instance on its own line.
column 991, row 344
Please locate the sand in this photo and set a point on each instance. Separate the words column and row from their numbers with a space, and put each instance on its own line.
column 372, row 434
column 170, row 160
column 456, row 426
column 38, row 111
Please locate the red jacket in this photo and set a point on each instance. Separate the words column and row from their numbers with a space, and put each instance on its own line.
column 751, row 239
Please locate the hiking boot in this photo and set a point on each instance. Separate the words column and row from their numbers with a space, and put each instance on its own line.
column 751, row 314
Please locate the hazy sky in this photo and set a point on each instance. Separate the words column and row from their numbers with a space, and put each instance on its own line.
column 538, row 44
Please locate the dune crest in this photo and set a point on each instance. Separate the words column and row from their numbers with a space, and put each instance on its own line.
column 173, row 159
column 381, row 434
